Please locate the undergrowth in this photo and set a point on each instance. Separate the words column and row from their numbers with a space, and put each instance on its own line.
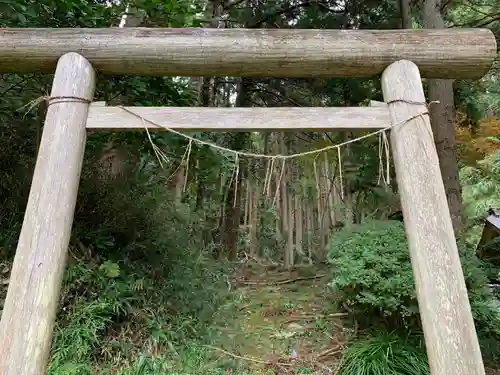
column 385, row 354
column 373, row 272
column 111, row 313
column 373, row 279
column 480, row 191
column 141, row 289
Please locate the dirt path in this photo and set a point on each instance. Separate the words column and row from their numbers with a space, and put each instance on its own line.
column 283, row 322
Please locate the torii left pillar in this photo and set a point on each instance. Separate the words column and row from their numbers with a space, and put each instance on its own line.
column 35, row 282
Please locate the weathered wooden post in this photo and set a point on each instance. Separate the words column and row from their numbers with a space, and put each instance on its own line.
column 450, row 336
column 35, row 282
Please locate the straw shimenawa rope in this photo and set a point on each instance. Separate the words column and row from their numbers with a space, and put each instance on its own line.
column 383, row 149
column 383, row 145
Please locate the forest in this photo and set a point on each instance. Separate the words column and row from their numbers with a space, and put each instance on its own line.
column 201, row 254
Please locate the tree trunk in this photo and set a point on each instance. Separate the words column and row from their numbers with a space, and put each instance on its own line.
column 345, row 186
column 206, row 98
column 278, row 193
column 248, row 202
column 206, row 85
column 310, row 229
column 290, row 258
column 406, row 20
column 232, row 215
column 287, row 207
column 200, row 189
column 299, row 223
column 178, row 182
column 254, row 207
column 321, row 216
column 442, row 116
column 329, row 205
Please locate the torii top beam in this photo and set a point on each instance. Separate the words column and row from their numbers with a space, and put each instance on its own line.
column 439, row 53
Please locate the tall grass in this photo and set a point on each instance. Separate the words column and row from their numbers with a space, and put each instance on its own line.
column 385, row 354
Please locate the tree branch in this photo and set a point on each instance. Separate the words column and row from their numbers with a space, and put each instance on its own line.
column 305, row 4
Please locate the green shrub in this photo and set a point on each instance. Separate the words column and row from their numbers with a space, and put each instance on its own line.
column 486, row 312
column 385, row 354
column 373, row 276
column 480, row 191
column 372, row 270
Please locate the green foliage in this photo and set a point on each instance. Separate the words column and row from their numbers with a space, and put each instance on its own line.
column 486, row 312
column 139, row 280
column 372, row 270
column 373, row 276
column 91, row 303
column 104, row 317
column 149, row 286
column 475, row 100
column 385, row 354
column 480, row 191
column 484, row 304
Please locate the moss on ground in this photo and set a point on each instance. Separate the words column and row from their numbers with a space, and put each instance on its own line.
column 275, row 316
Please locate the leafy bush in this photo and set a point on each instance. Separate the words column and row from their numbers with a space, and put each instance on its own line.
column 385, row 354
column 373, row 275
column 486, row 313
column 372, row 270
column 481, row 191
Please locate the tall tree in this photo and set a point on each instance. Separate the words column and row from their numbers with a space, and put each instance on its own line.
column 442, row 113
column 230, row 223
column 406, row 20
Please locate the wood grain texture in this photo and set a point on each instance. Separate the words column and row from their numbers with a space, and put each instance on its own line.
column 375, row 103
column 445, row 53
column 450, row 336
column 30, row 307
column 237, row 119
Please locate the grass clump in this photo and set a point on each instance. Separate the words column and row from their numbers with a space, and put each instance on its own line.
column 385, row 354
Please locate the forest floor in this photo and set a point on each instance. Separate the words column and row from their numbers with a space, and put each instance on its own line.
column 276, row 322
column 284, row 322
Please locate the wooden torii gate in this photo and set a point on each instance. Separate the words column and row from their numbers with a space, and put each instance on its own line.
column 400, row 55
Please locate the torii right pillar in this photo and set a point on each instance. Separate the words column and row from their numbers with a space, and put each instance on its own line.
column 450, row 335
